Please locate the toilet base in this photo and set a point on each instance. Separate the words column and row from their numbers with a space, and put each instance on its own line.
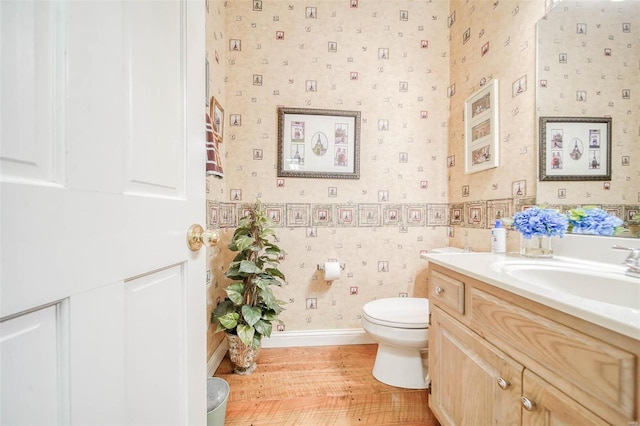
column 402, row 368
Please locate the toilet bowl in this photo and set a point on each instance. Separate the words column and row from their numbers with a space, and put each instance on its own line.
column 400, row 327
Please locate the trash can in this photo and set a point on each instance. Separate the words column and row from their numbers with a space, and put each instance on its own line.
column 217, row 394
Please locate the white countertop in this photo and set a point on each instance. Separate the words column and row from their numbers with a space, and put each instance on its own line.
column 480, row 266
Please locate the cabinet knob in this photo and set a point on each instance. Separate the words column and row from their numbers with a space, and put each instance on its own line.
column 528, row 404
column 503, row 383
column 439, row 290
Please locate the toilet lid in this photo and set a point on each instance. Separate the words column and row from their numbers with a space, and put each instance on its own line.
column 401, row 312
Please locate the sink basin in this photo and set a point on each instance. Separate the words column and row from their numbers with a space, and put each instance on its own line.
column 601, row 284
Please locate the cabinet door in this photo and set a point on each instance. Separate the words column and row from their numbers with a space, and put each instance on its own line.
column 546, row 405
column 472, row 382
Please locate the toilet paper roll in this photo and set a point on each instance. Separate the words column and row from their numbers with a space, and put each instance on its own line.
column 331, row 271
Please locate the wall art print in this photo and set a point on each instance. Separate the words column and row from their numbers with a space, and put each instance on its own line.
column 575, row 148
column 214, row 126
column 481, row 129
column 217, row 117
column 318, row 143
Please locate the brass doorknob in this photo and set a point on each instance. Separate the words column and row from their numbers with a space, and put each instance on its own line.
column 197, row 236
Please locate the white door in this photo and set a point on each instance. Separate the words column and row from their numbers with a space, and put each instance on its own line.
column 102, row 305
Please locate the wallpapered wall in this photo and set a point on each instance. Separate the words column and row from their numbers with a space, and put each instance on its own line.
column 215, row 186
column 268, row 52
column 590, row 62
column 263, row 54
column 493, row 40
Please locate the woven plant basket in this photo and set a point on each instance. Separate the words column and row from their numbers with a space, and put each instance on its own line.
column 242, row 356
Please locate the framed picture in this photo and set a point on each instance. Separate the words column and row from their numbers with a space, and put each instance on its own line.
column 217, row 117
column 481, row 129
column 575, row 148
column 318, row 143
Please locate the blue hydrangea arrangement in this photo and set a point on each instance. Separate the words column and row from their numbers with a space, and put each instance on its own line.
column 540, row 222
column 593, row 221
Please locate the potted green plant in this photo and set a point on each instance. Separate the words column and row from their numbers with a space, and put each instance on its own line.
column 247, row 313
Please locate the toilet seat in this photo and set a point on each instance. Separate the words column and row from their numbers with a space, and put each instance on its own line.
column 398, row 312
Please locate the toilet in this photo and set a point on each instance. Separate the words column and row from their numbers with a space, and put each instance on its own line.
column 400, row 327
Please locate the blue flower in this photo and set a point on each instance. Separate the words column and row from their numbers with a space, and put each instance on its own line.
column 538, row 222
column 593, row 221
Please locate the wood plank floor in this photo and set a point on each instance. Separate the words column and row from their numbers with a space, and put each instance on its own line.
column 317, row 386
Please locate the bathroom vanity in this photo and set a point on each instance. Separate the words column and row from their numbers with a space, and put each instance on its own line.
column 508, row 352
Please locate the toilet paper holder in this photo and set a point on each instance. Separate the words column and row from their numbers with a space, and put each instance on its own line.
column 321, row 267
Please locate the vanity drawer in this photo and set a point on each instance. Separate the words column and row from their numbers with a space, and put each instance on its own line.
column 575, row 363
column 445, row 291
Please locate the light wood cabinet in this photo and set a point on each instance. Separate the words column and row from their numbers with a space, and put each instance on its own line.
column 552, row 407
column 498, row 358
column 472, row 383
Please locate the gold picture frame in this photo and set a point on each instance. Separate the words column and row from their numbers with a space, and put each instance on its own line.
column 217, row 117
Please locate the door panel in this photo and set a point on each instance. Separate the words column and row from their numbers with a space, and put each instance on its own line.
column 156, row 143
column 102, row 173
column 148, row 382
column 29, row 149
column 34, row 341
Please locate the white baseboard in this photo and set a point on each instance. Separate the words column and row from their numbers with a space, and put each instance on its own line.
column 217, row 357
column 292, row 339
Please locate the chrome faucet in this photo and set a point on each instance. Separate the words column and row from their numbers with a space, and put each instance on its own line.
column 632, row 261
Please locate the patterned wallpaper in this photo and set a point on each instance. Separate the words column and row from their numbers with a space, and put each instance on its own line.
column 215, row 186
column 482, row 50
column 492, row 40
column 589, row 67
column 407, row 63
column 388, row 60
